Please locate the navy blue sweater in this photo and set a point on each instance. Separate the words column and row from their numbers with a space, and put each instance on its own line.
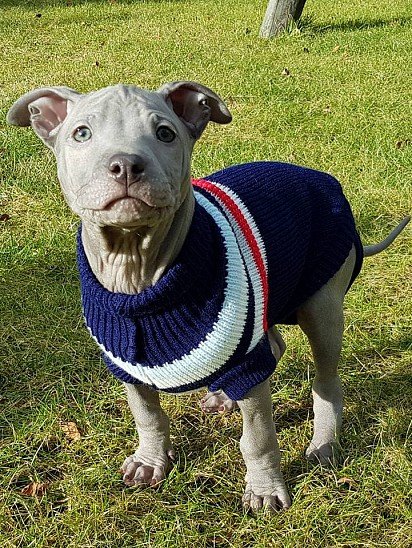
column 264, row 237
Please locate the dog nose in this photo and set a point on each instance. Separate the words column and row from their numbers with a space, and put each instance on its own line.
column 126, row 168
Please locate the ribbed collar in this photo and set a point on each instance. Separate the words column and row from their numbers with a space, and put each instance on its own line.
column 200, row 263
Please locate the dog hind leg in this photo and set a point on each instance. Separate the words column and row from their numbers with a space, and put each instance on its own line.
column 321, row 319
column 217, row 402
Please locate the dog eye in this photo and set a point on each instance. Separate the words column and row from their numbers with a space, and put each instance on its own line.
column 82, row 134
column 165, row 134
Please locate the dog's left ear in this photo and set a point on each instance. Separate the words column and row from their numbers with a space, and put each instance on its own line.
column 195, row 105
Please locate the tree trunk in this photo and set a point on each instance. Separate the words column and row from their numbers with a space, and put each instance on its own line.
column 279, row 14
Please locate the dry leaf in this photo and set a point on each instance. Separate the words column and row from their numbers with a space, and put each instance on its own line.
column 400, row 144
column 285, row 72
column 4, row 217
column 34, row 489
column 335, row 49
column 347, row 482
column 70, row 430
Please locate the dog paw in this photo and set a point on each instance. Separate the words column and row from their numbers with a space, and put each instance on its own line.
column 273, row 499
column 325, row 454
column 217, row 402
column 145, row 470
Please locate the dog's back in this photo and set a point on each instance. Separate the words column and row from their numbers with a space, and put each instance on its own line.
column 306, row 225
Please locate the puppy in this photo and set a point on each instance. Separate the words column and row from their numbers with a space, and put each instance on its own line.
column 184, row 281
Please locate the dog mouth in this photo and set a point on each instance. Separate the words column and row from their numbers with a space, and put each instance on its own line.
column 133, row 204
column 124, row 201
column 128, row 212
column 108, row 196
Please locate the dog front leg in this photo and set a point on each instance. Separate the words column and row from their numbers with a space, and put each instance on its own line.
column 151, row 462
column 265, row 486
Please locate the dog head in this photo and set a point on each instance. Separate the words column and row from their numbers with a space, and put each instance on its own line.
column 123, row 153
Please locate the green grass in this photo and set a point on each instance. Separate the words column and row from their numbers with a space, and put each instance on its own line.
column 345, row 108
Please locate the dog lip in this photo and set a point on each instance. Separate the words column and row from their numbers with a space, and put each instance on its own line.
column 131, row 199
column 119, row 199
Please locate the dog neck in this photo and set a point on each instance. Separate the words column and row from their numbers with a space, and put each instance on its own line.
column 129, row 261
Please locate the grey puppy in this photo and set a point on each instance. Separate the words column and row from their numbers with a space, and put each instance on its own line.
column 123, row 157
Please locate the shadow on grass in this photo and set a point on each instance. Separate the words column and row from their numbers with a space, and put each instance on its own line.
column 38, row 5
column 306, row 24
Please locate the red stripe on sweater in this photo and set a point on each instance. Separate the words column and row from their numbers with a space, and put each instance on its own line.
column 247, row 233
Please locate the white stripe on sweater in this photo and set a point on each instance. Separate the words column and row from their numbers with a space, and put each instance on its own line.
column 251, row 266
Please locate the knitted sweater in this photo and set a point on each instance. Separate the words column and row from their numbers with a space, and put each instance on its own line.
column 264, row 237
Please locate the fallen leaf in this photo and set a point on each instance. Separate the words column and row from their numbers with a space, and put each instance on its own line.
column 400, row 144
column 70, row 430
column 335, row 49
column 285, row 72
column 4, row 217
column 347, row 482
column 34, row 489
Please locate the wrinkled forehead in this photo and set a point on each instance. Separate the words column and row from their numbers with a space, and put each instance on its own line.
column 119, row 100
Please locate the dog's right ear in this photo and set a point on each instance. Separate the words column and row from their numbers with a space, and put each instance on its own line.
column 44, row 109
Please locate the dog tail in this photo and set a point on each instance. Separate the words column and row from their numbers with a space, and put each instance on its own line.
column 369, row 250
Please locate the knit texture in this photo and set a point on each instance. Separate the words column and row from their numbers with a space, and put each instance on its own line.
column 264, row 238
